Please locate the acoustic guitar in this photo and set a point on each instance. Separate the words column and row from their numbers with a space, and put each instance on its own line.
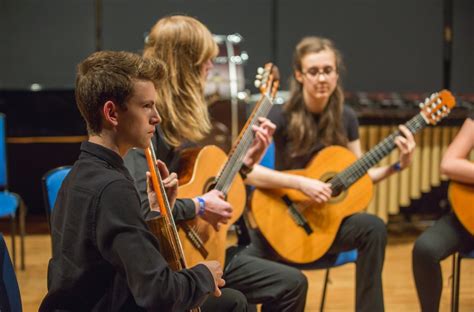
column 461, row 196
column 301, row 230
column 204, row 169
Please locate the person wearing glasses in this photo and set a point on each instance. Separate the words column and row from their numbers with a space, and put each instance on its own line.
column 314, row 117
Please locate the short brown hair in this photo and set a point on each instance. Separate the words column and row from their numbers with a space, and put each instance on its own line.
column 110, row 76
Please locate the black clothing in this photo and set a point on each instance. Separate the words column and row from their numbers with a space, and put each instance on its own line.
column 367, row 233
column 282, row 159
column 135, row 161
column 276, row 286
column 446, row 237
column 104, row 256
column 438, row 242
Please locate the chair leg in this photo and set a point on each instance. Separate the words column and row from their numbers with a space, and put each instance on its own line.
column 323, row 296
column 455, row 282
column 22, row 215
column 13, row 237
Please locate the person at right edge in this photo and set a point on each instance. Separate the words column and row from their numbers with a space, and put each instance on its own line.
column 447, row 235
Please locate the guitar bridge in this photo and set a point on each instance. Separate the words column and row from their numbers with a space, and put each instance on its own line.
column 296, row 215
column 194, row 239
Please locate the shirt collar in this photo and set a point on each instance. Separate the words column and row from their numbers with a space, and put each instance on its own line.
column 107, row 155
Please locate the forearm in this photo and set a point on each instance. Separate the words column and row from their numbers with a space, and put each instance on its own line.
column 461, row 170
column 263, row 177
column 379, row 173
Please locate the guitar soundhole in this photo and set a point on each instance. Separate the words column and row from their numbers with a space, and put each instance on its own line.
column 209, row 185
column 338, row 192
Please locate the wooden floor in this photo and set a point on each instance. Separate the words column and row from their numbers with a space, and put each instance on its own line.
column 397, row 277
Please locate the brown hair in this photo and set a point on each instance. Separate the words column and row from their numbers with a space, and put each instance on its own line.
column 303, row 131
column 184, row 44
column 108, row 75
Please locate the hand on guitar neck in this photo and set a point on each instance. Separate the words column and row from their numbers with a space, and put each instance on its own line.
column 263, row 138
column 170, row 182
column 217, row 210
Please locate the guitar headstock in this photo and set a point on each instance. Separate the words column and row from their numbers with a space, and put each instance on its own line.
column 437, row 106
column 267, row 80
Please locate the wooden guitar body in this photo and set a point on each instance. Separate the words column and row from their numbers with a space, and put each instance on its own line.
column 289, row 239
column 197, row 173
column 461, row 197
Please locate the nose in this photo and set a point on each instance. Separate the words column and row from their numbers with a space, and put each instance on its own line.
column 156, row 119
column 210, row 65
column 322, row 76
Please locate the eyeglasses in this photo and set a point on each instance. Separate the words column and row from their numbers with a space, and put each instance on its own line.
column 314, row 72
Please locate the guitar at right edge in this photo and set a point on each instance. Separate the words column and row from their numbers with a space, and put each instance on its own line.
column 461, row 196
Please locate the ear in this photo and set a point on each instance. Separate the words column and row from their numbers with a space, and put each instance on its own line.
column 298, row 76
column 110, row 113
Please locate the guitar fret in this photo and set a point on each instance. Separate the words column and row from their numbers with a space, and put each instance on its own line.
column 377, row 153
column 232, row 167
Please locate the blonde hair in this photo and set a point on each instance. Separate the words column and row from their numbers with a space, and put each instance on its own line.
column 184, row 44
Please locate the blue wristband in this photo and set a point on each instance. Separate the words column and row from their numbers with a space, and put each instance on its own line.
column 202, row 205
column 396, row 166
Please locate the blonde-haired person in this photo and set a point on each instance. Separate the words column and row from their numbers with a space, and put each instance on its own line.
column 447, row 235
column 187, row 47
column 315, row 116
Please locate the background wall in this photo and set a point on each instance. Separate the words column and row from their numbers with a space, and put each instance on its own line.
column 387, row 45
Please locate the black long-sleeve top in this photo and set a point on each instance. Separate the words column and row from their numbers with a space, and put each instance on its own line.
column 135, row 161
column 104, row 256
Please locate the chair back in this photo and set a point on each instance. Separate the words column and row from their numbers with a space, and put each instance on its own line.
column 10, row 298
column 268, row 159
column 3, row 153
column 51, row 182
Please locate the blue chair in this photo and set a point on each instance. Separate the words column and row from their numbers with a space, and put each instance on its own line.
column 10, row 299
column 10, row 202
column 327, row 262
column 457, row 257
column 51, row 182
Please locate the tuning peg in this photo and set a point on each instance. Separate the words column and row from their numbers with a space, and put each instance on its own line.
column 259, row 77
column 257, row 83
column 428, row 110
column 421, row 105
column 260, row 70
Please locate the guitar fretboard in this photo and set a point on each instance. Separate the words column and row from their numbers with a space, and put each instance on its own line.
column 234, row 162
column 354, row 172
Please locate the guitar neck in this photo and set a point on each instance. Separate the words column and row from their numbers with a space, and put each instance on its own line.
column 166, row 227
column 241, row 146
column 354, row 172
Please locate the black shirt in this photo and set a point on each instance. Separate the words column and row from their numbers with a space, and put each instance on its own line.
column 104, row 256
column 283, row 161
column 135, row 161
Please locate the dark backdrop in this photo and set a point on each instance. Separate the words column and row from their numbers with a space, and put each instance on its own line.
column 387, row 45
